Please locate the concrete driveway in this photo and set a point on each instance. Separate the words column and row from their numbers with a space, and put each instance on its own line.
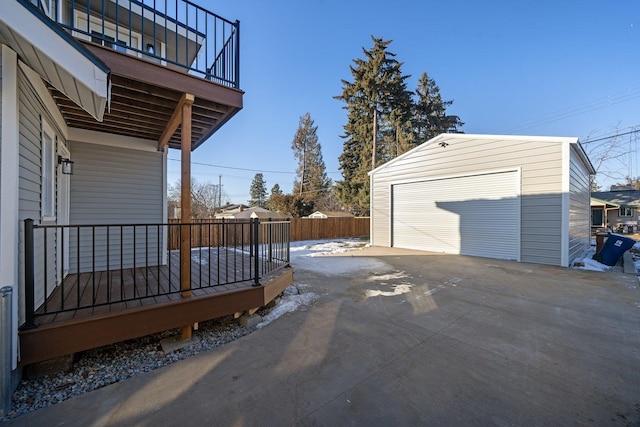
column 406, row 338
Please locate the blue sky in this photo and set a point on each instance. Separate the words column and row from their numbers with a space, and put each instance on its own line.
column 560, row 68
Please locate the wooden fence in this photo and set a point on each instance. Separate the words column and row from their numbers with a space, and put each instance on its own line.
column 213, row 232
column 329, row 228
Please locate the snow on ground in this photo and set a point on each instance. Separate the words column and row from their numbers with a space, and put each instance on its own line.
column 290, row 301
column 315, row 248
column 305, row 256
column 586, row 261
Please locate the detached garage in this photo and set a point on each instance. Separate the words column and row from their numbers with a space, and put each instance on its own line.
column 523, row 198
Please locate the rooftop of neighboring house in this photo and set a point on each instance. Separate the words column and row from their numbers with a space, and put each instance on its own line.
column 242, row 211
column 619, row 195
column 331, row 214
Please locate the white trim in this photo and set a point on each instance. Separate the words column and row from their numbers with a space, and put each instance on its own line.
column 459, row 175
column 43, row 93
column 34, row 31
column 519, row 238
column 47, row 175
column 111, row 140
column 371, row 236
column 9, row 184
column 566, row 200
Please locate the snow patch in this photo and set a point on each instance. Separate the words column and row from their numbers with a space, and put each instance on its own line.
column 586, row 262
column 288, row 304
column 397, row 290
column 386, row 277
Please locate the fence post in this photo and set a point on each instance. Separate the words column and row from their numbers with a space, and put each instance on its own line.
column 256, row 260
column 29, row 281
column 270, row 239
column 6, row 352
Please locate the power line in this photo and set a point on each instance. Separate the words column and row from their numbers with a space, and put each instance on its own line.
column 577, row 109
column 589, row 141
column 244, row 169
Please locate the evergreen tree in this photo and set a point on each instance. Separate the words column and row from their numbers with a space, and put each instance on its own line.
column 273, row 202
column 379, row 108
column 311, row 176
column 258, row 191
column 430, row 117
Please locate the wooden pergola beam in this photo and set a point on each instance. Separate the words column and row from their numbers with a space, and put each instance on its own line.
column 176, row 119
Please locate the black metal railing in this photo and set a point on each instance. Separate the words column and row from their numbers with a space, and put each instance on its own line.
column 175, row 33
column 72, row 267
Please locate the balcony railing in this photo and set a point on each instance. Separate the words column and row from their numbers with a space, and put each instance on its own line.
column 175, row 33
column 74, row 267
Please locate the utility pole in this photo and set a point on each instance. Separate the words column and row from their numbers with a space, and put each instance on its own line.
column 375, row 136
column 219, row 191
column 304, row 165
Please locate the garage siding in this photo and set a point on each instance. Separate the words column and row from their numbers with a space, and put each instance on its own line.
column 540, row 162
column 579, row 208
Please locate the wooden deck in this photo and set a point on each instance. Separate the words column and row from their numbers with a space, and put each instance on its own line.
column 111, row 306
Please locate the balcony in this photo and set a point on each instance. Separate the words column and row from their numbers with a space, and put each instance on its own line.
column 156, row 50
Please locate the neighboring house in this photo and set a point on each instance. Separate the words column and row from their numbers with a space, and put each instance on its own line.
column 618, row 209
column 230, row 210
column 523, row 198
column 91, row 100
column 330, row 214
column 253, row 212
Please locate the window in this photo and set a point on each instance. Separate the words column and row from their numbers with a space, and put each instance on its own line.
column 109, row 41
column 625, row 212
column 48, row 169
column 597, row 217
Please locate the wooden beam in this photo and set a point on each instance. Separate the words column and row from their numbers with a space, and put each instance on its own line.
column 185, row 201
column 176, row 119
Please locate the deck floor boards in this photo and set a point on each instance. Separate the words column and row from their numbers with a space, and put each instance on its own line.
column 84, row 295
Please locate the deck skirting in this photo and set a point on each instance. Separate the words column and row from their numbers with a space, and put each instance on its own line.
column 60, row 338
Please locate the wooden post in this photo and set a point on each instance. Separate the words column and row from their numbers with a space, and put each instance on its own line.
column 185, row 205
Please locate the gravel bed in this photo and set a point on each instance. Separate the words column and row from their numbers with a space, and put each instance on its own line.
column 106, row 365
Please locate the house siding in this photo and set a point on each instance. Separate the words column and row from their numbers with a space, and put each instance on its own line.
column 115, row 185
column 579, row 210
column 540, row 162
column 31, row 113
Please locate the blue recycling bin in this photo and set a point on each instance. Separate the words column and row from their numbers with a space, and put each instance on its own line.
column 615, row 246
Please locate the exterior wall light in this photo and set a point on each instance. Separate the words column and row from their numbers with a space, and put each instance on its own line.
column 67, row 165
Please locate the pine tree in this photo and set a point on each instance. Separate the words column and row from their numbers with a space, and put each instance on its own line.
column 311, row 176
column 430, row 112
column 379, row 110
column 258, row 191
column 273, row 202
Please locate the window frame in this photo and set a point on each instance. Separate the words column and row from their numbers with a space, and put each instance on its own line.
column 48, row 171
column 622, row 212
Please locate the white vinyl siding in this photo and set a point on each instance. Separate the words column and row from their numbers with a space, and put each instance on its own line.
column 539, row 159
column 470, row 215
column 114, row 185
column 579, row 208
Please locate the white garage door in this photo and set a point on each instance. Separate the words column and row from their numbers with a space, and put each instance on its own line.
column 470, row 215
